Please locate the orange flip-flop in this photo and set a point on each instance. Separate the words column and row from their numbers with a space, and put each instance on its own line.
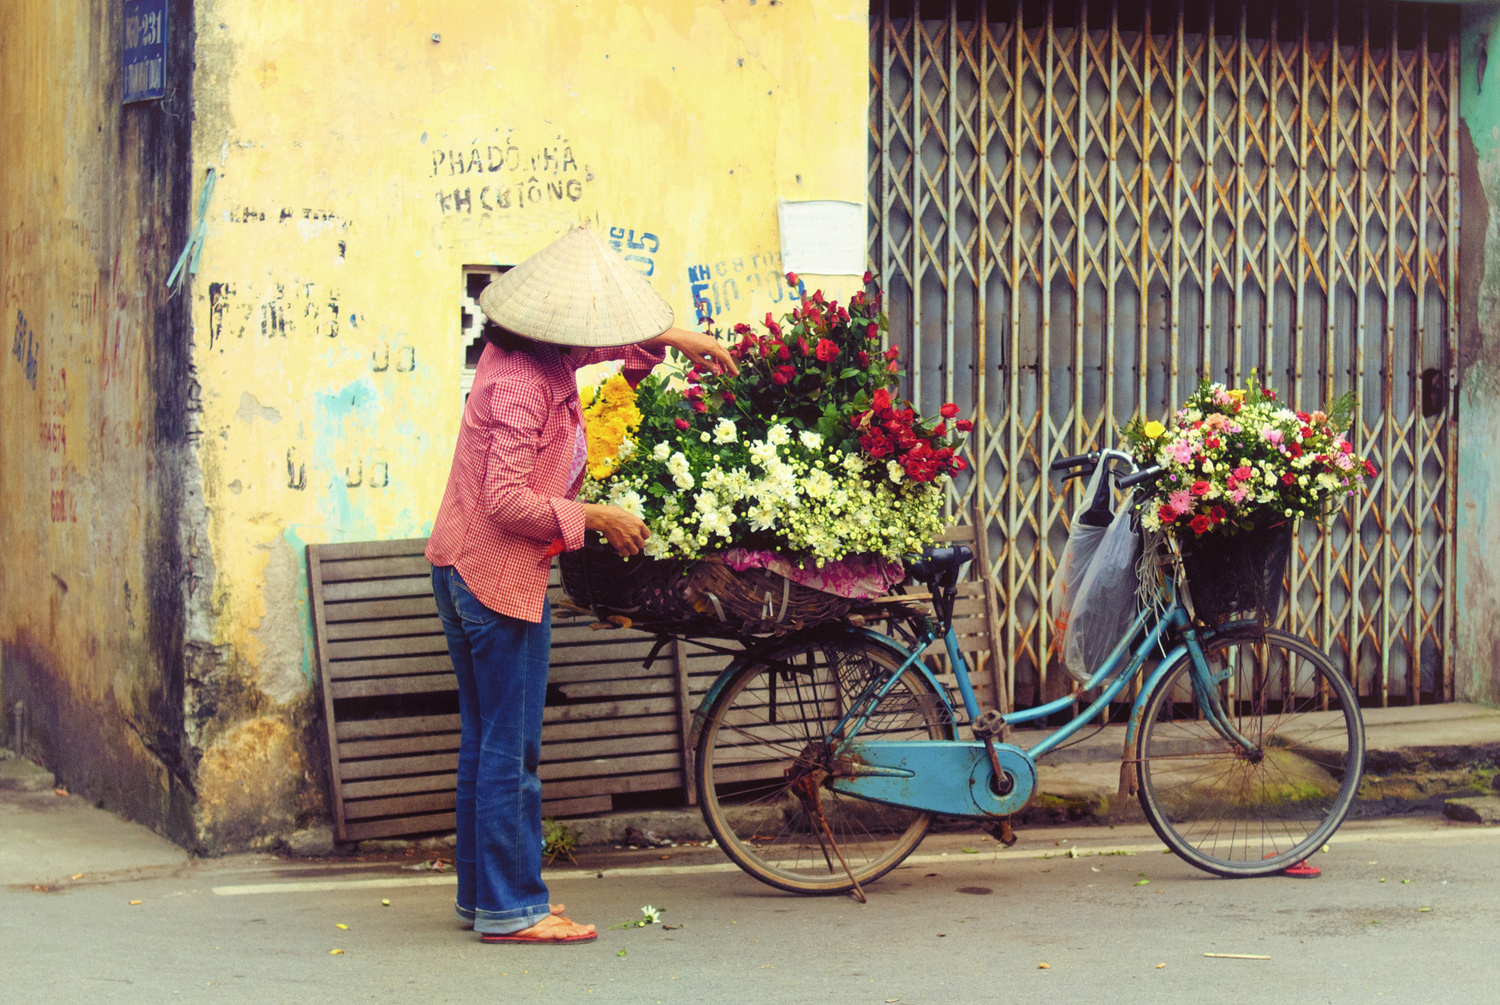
column 540, row 940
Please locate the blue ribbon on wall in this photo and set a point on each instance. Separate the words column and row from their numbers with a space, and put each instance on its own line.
column 194, row 246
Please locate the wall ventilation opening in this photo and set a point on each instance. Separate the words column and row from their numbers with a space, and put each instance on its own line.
column 471, row 319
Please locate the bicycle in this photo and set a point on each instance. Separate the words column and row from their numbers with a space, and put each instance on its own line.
column 823, row 757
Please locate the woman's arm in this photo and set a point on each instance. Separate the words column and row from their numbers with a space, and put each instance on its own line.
column 700, row 347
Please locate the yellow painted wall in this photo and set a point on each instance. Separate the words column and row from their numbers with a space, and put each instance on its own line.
column 91, row 579
column 364, row 154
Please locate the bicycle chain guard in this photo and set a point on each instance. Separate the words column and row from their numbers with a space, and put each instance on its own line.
column 950, row 777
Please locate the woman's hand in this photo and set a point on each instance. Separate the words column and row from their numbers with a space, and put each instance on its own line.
column 700, row 348
column 625, row 532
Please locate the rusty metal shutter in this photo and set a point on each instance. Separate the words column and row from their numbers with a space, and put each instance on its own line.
column 1079, row 208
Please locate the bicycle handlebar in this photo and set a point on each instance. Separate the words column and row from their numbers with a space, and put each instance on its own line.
column 1144, row 475
column 1076, row 461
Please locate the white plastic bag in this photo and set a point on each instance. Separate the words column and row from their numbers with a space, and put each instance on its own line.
column 1105, row 602
column 1083, row 541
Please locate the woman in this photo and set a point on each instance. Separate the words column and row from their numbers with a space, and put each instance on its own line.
column 508, row 508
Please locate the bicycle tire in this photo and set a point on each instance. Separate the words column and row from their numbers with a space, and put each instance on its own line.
column 746, row 789
column 1280, row 803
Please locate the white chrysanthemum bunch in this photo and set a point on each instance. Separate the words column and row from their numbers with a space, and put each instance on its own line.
column 701, row 493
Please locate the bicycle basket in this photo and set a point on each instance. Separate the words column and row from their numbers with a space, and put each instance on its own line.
column 1242, row 576
column 705, row 595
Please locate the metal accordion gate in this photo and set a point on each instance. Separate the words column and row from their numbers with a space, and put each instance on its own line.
column 1079, row 208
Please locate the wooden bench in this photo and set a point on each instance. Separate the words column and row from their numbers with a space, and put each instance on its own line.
column 610, row 728
column 391, row 701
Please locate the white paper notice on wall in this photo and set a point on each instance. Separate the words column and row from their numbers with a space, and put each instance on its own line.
column 822, row 237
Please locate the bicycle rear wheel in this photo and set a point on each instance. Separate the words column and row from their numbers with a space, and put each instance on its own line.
column 765, row 774
column 1238, row 812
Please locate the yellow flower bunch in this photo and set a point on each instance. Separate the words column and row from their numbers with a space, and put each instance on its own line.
column 611, row 415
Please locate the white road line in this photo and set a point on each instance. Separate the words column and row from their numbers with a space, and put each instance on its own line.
column 322, row 885
column 392, row 882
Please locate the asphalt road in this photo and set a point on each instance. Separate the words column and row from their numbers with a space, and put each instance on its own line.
column 1407, row 910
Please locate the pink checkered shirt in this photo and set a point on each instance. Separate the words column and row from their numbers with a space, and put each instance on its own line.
column 509, row 494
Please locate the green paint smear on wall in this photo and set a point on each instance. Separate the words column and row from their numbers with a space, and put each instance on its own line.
column 1479, row 98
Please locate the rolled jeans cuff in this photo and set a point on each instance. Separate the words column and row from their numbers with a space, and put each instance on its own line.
column 506, row 922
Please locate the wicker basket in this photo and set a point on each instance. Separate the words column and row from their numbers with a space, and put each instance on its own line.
column 705, row 596
column 1238, row 577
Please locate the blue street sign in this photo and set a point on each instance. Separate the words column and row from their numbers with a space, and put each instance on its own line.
column 144, row 74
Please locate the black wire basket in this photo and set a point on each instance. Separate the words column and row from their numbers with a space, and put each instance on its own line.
column 1238, row 577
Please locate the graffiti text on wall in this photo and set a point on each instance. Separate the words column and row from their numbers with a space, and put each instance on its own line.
column 24, row 349
column 725, row 284
column 546, row 175
column 284, row 214
column 52, row 433
column 638, row 248
column 275, row 310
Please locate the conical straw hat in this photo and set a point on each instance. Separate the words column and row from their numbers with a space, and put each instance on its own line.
column 577, row 291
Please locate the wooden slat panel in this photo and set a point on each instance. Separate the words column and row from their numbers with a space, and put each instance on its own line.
column 600, row 768
column 417, row 764
column 399, row 666
column 368, row 549
column 340, row 571
column 389, row 628
column 559, row 751
column 396, row 726
column 576, row 806
column 580, row 630
column 378, row 589
column 377, row 687
column 561, row 732
column 376, row 648
column 352, row 750
column 560, row 741
column 320, row 644
column 430, row 802
column 396, row 786
column 652, row 782
column 593, row 711
column 368, row 610
column 610, row 688
column 399, row 826
column 582, row 672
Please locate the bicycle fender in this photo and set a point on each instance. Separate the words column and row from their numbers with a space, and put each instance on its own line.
column 700, row 714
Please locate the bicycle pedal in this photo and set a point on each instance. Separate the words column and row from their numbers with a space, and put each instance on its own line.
column 990, row 724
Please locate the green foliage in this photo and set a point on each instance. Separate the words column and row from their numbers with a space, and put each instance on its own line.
column 558, row 839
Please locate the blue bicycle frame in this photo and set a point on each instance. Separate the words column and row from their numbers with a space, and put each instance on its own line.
column 1115, row 673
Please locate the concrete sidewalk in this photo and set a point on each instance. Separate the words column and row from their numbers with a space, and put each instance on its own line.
column 1417, row 758
column 1431, row 758
column 49, row 836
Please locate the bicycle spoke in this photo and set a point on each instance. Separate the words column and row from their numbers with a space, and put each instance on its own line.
column 1251, row 811
column 776, row 831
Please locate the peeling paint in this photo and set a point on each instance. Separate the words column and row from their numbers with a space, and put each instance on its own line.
column 1477, row 585
column 92, row 406
column 248, row 784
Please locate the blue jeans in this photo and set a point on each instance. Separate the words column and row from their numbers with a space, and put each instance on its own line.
column 501, row 663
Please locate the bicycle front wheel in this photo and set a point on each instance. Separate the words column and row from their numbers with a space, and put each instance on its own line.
column 1251, row 809
column 765, row 773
